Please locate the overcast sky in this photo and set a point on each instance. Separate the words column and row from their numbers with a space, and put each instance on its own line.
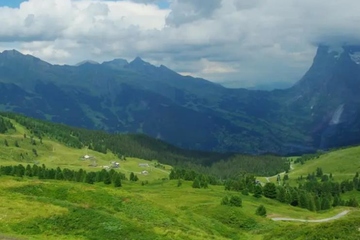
column 240, row 43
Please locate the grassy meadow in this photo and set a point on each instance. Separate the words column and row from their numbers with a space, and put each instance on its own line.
column 162, row 209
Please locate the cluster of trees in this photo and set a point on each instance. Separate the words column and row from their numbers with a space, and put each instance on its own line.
column 307, row 157
column 5, row 125
column 42, row 172
column 314, row 194
column 200, row 180
column 233, row 200
column 141, row 146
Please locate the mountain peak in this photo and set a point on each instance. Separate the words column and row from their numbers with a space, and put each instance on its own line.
column 138, row 60
column 12, row 52
column 87, row 62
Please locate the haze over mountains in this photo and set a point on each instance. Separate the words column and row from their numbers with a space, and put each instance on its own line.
column 321, row 111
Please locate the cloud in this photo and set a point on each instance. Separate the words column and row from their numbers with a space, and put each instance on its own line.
column 185, row 11
column 248, row 42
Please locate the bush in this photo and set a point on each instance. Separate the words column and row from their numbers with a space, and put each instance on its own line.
column 235, row 201
column 261, row 211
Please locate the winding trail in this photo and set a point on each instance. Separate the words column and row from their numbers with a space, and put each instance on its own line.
column 343, row 213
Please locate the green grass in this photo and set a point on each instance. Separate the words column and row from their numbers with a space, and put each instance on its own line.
column 343, row 164
column 54, row 154
column 46, row 209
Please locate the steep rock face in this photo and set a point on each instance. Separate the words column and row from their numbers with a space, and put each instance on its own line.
column 329, row 94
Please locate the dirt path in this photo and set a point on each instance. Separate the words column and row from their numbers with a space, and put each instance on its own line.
column 313, row 221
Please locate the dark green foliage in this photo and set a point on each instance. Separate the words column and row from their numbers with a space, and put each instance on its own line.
column 35, row 152
column 107, row 178
column 269, row 190
column 319, row 172
column 234, row 200
column 196, row 183
column 245, row 192
column 133, row 177
column 179, row 183
column 117, row 180
column 16, row 143
column 258, row 191
column 90, row 177
column 5, row 125
column 286, row 177
column 141, row 146
column 65, row 174
column 261, row 211
column 6, row 143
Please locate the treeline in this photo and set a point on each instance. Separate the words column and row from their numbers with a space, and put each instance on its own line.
column 315, row 192
column 307, row 157
column 5, row 125
column 142, row 146
column 42, row 172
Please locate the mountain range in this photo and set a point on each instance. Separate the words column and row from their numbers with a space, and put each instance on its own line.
column 321, row 111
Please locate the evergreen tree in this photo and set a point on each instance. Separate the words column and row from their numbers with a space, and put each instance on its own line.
column 325, row 203
column 179, row 183
column 28, row 171
column 245, row 192
column 257, row 191
column 196, row 183
column 6, row 143
column 311, row 203
column 269, row 190
column 235, row 201
column 117, row 180
column 107, row 178
column 303, row 200
column 286, row 177
column 35, row 152
column 90, row 178
column 281, row 194
column 17, row 143
column 261, row 211
column 132, row 176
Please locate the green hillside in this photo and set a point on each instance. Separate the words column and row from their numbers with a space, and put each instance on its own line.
column 40, row 205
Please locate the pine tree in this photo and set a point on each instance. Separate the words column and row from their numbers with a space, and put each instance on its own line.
column 257, row 191
column 281, row 194
column 6, row 143
column 107, row 178
column 90, row 178
column 117, row 180
column 269, row 190
column 196, row 183
column 132, row 176
column 179, row 183
column 261, row 211
column 235, row 201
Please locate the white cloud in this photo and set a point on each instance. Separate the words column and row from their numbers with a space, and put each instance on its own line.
column 246, row 41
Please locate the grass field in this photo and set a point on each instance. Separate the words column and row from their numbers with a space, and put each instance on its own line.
column 54, row 154
column 47, row 209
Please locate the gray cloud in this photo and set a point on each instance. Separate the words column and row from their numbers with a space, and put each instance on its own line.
column 235, row 41
column 185, row 11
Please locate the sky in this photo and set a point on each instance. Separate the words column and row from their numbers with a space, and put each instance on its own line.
column 237, row 43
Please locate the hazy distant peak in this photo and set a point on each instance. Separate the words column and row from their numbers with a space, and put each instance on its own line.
column 87, row 62
column 12, row 52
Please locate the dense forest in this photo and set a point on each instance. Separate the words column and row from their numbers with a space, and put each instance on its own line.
column 144, row 147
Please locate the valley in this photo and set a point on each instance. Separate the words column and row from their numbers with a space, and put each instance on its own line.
column 155, row 206
column 319, row 112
